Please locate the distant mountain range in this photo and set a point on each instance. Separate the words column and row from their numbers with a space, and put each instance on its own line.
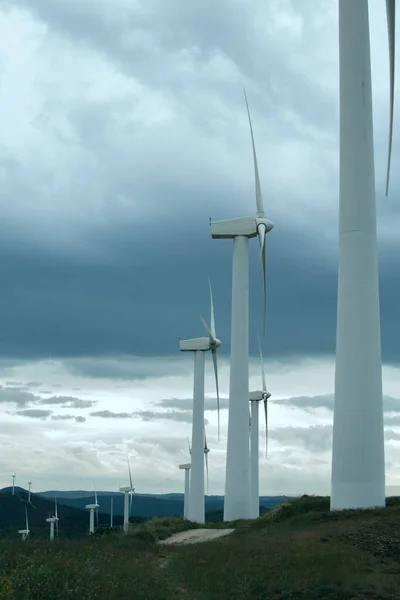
column 73, row 522
column 74, row 518
column 145, row 505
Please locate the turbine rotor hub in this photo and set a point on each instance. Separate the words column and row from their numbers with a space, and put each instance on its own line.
column 261, row 221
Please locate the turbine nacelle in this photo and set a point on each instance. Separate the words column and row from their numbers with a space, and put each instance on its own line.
column 186, row 466
column 52, row 519
column 127, row 488
column 201, row 343
column 92, row 506
column 257, row 396
column 246, row 226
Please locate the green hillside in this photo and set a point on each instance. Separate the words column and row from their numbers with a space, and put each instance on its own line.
column 297, row 551
column 73, row 522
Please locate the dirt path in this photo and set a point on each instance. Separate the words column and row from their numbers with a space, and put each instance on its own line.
column 194, row 536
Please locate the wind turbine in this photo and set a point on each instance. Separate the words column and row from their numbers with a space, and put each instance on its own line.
column 53, row 520
column 199, row 346
column 92, row 508
column 236, row 505
column 13, row 485
column 186, row 467
column 256, row 397
column 29, row 491
column 25, row 532
column 358, row 454
column 128, row 490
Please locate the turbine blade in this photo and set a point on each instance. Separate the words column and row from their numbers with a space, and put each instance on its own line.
column 130, row 473
column 95, row 493
column 264, row 383
column 57, row 528
column 249, row 418
column 266, row 427
column 26, row 518
column 263, row 244
column 390, row 14
column 130, row 502
column 212, row 316
column 55, row 508
column 215, row 363
column 210, row 335
column 260, row 207
column 206, row 457
column 190, row 450
column 97, row 516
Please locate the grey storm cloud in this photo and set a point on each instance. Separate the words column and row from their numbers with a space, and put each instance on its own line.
column 186, row 403
column 393, row 420
column 21, row 398
column 108, row 414
column 311, row 403
column 391, row 435
column 125, row 368
column 111, row 281
column 68, row 402
column 75, row 418
column 34, row 413
column 317, row 438
column 182, row 416
column 16, row 396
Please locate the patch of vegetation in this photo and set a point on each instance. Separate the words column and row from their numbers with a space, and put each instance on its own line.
column 298, row 552
column 161, row 528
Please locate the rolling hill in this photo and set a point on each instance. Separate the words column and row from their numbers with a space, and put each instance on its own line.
column 146, row 505
column 297, row 551
column 73, row 522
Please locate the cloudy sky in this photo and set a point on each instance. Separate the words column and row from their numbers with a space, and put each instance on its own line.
column 123, row 129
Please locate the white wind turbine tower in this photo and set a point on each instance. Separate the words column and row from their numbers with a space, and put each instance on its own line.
column 186, row 467
column 29, row 491
column 92, row 508
column 128, row 491
column 25, row 532
column 53, row 520
column 256, row 397
column 199, row 346
column 358, row 455
column 206, row 452
column 236, row 505
column 13, row 485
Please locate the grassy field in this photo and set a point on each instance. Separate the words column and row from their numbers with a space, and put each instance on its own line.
column 298, row 551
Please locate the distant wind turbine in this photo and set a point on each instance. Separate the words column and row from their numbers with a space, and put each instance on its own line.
column 29, row 491
column 53, row 521
column 256, row 397
column 199, row 346
column 92, row 508
column 25, row 532
column 237, row 480
column 13, row 485
column 128, row 491
column 358, row 451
